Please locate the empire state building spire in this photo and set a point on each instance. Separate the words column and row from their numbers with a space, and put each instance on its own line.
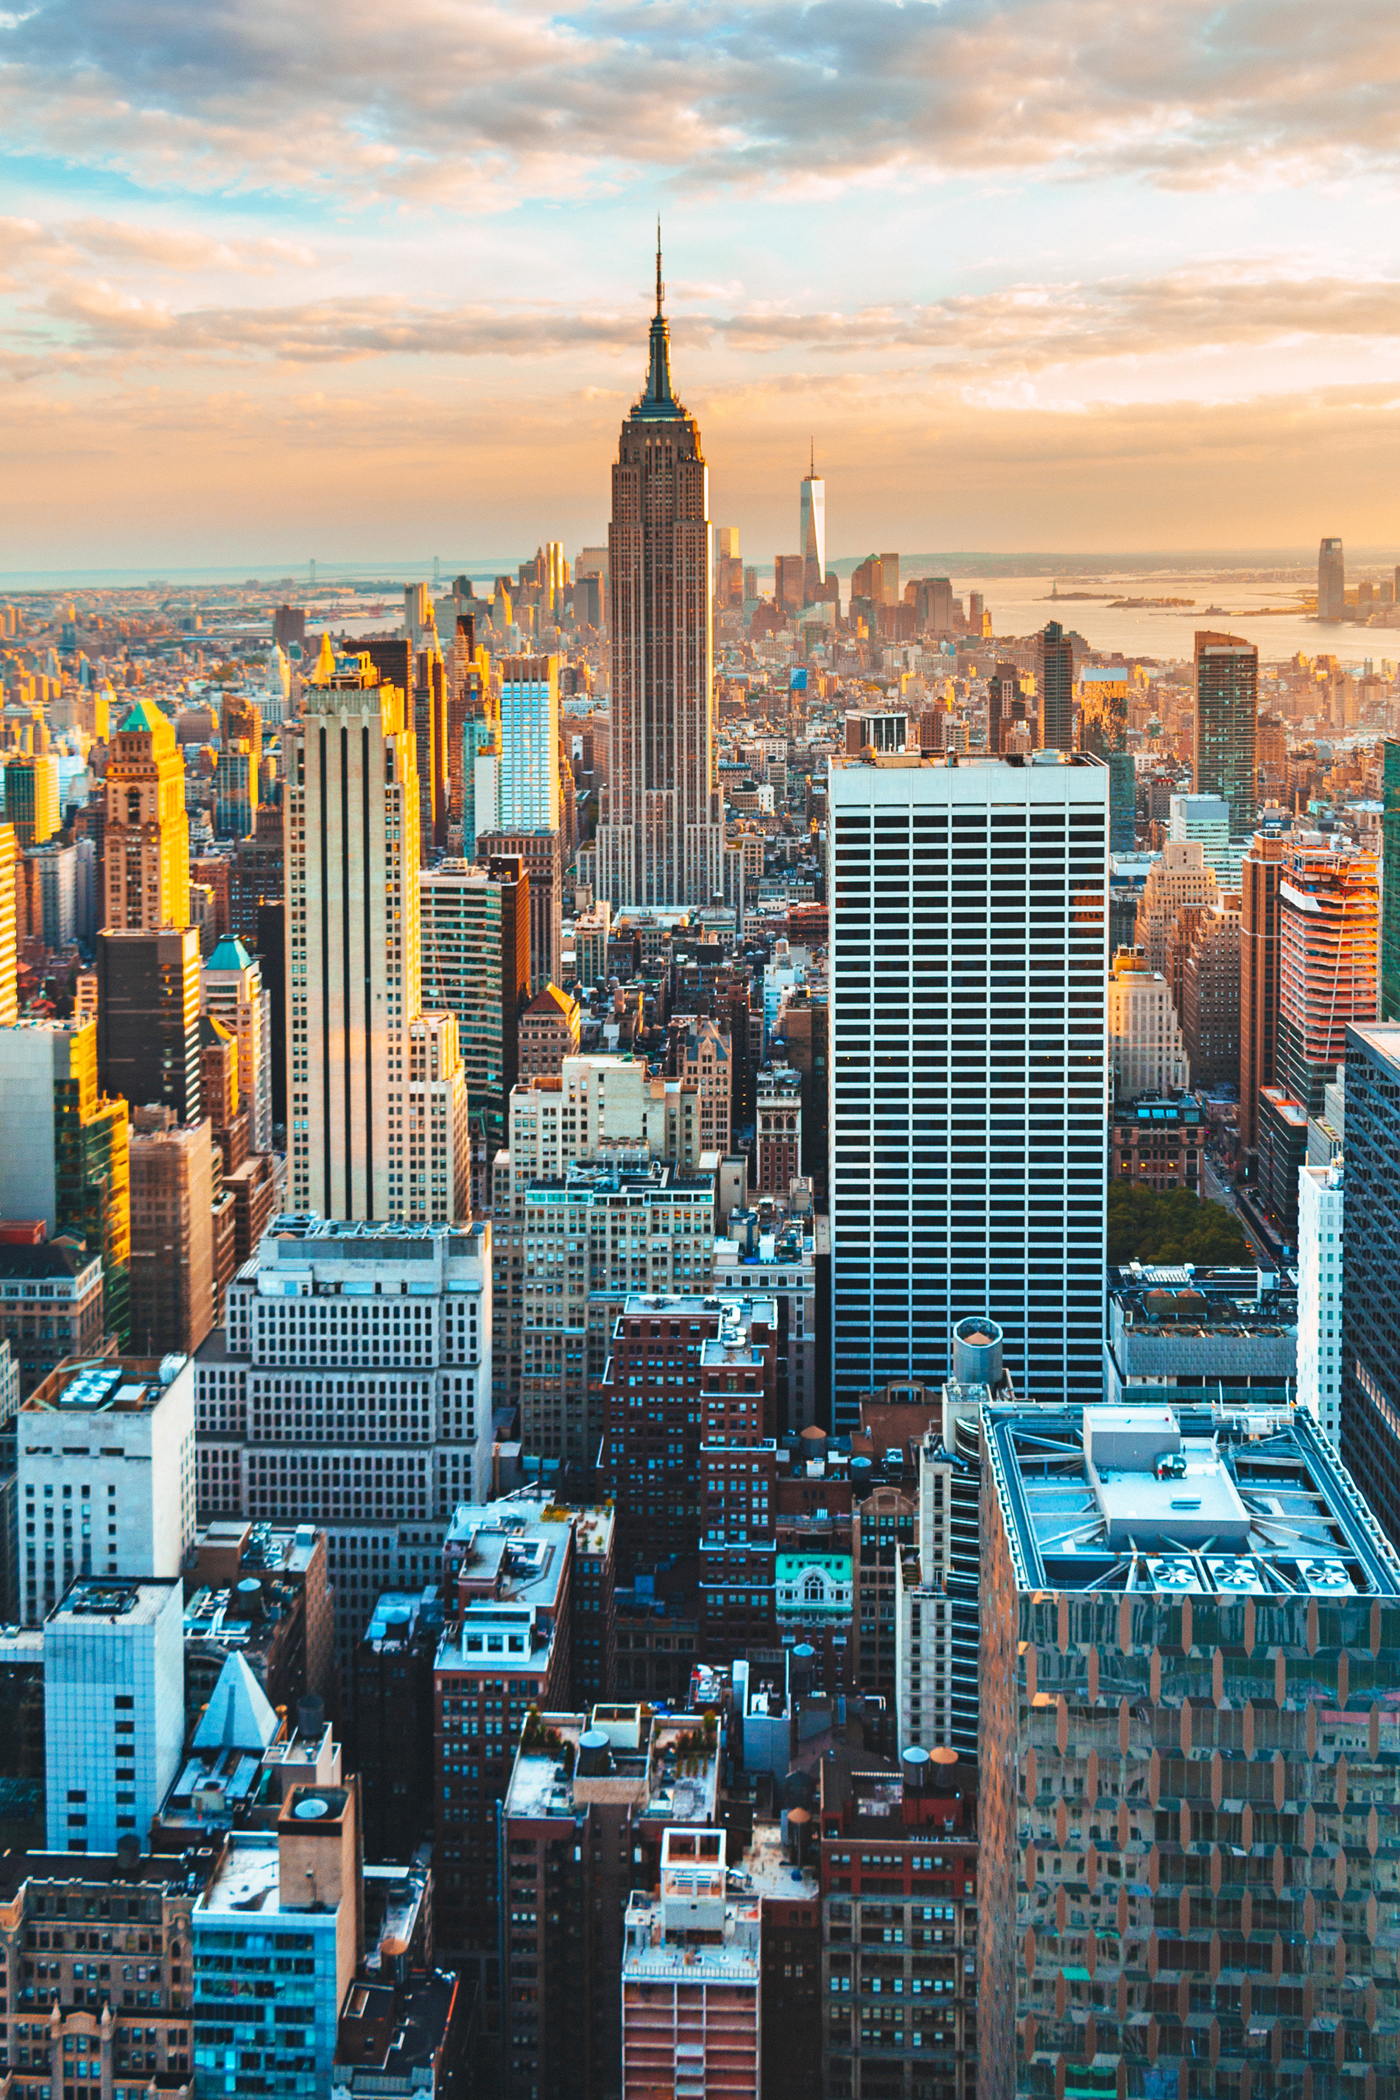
column 660, row 840
column 659, row 402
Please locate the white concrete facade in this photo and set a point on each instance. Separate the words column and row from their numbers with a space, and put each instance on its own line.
column 1321, row 1205
column 106, row 1480
column 968, row 1099
column 353, row 1381
column 114, row 1710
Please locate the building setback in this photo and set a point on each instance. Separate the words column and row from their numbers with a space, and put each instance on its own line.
column 351, row 1388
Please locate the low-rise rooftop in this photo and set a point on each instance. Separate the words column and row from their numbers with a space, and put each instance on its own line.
column 666, row 1768
column 105, row 1385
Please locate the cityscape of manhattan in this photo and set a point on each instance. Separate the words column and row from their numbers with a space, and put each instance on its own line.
column 699, row 1052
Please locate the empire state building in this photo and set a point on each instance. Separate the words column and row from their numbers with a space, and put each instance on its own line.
column 661, row 840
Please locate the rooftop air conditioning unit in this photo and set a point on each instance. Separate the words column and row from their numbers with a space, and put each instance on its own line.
column 1235, row 1574
column 1174, row 1572
column 1324, row 1576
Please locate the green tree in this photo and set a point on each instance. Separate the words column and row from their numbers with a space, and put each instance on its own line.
column 1171, row 1225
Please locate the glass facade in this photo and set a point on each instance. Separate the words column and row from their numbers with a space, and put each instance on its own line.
column 1227, row 714
column 1190, row 1769
column 93, row 1176
column 1390, row 881
column 265, row 2009
column 1370, row 1310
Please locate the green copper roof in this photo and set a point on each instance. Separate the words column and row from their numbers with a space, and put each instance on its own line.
column 230, row 954
column 145, row 715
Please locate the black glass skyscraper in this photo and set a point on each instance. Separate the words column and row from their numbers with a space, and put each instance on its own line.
column 1227, row 717
column 1056, row 689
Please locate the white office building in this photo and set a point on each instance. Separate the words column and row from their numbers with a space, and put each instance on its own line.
column 105, row 1455
column 114, row 1710
column 968, row 1067
column 351, row 1388
column 518, row 789
column 1205, row 820
column 1321, row 1200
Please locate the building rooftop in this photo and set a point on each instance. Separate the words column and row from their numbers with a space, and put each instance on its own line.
column 228, row 954
column 63, row 1258
column 179, row 1874
column 1380, row 1038
column 503, row 1564
column 247, row 1880
column 1179, row 1300
column 108, row 1600
column 651, row 1954
column 106, row 1385
column 959, row 761
column 1178, row 1500
column 1159, row 1108
column 391, row 2032
column 307, row 1238
column 664, row 1767
column 767, row 1871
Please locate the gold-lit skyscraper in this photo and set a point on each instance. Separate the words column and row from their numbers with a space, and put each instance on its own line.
column 661, row 841
column 9, row 957
column 376, row 1099
column 146, row 841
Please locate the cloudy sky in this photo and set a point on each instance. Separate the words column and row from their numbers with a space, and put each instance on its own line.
column 285, row 278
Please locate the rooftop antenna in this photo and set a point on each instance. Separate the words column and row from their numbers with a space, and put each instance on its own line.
column 660, row 287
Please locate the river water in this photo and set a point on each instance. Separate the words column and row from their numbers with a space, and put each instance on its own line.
column 1261, row 611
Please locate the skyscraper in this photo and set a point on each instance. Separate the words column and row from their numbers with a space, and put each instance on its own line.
column 174, row 1302
column 31, row 795
column 1331, row 581
column 114, row 1709
column 370, row 1135
column 232, row 988
column 1056, row 689
column 968, row 1064
column 476, row 965
column 1328, row 929
column 527, row 797
column 1259, row 956
column 1227, row 713
column 1390, row 881
column 1370, row 1350
column 1135, row 1563
column 146, row 846
column 148, row 1017
column 9, row 956
column 812, row 530
column 662, row 838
